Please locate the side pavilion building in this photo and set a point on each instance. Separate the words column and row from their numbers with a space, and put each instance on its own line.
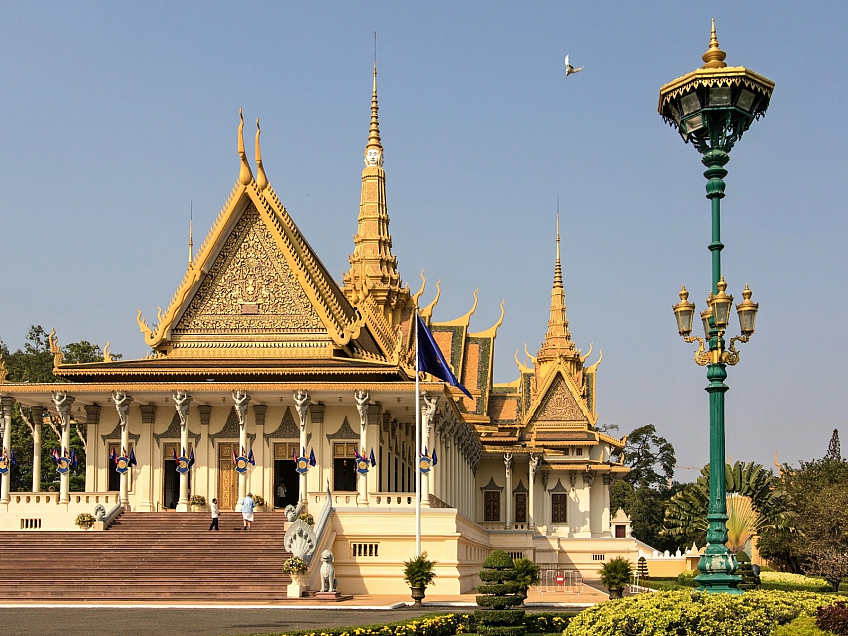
column 262, row 358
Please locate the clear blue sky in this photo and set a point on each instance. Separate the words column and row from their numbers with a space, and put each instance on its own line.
column 116, row 115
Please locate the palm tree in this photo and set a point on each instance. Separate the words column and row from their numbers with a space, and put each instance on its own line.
column 755, row 501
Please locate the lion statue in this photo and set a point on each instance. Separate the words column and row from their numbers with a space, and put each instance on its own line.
column 328, row 572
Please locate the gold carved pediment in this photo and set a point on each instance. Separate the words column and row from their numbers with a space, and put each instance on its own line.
column 250, row 288
column 559, row 405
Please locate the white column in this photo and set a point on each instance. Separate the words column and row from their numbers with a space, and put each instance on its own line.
column 122, row 404
column 531, row 502
column 508, row 507
column 258, row 480
column 143, row 474
column 182, row 401
column 605, row 513
column 37, row 422
column 7, row 403
column 301, row 402
column 428, row 411
column 362, row 400
column 242, row 399
column 63, row 403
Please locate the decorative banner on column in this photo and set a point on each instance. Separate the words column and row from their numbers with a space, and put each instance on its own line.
column 182, row 462
column 241, row 462
column 63, row 463
column 5, row 464
column 426, row 462
column 363, row 462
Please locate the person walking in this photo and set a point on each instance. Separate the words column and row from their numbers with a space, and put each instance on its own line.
column 247, row 506
column 215, row 514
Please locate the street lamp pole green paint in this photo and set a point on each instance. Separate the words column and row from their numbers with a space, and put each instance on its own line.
column 712, row 107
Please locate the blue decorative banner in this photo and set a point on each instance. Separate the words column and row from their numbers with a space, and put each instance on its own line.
column 63, row 465
column 241, row 464
column 182, row 465
column 4, row 465
column 302, row 465
column 424, row 465
column 362, row 466
column 122, row 464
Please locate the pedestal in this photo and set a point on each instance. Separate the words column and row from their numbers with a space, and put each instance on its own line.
column 297, row 586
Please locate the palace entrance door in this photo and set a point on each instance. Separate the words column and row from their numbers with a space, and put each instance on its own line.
column 227, row 476
column 171, row 485
column 286, row 478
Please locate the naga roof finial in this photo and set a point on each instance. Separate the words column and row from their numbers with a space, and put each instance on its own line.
column 245, row 175
column 261, row 179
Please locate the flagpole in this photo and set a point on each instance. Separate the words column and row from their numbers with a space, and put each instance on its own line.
column 417, row 447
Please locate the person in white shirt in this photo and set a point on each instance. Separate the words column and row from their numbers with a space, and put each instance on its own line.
column 215, row 515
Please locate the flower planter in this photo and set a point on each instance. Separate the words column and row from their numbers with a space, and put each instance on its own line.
column 417, row 595
column 297, row 587
column 616, row 592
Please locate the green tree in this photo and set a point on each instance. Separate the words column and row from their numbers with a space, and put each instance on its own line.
column 650, row 458
column 34, row 364
column 818, row 492
column 755, row 502
column 645, row 507
column 834, row 451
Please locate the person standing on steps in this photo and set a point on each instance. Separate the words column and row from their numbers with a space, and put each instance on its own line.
column 215, row 514
column 247, row 506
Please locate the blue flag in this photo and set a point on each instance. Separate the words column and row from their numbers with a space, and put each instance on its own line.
column 435, row 458
column 133, row 461
column 12, row 458
column 372, row 460
column 191, row 459
column 250, row 457
column 312, row 460
column 73, row 457
column 431, row 360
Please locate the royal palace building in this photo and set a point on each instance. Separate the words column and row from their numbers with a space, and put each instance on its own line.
column 268, row 376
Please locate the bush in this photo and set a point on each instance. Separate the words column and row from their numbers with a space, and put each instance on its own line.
column 801, row 626
column 687, row 578
column 788, row 582
column 418, row 572
column 616, row 573
column 499, row 593
column 755, row 613
column 833, row 618
column 197, row 500
column 440, row 625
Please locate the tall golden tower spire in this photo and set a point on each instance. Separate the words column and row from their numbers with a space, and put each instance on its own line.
column 373, row 267
column 558, row 339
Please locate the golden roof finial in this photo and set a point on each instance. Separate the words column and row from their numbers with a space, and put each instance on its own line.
column 261, row 179
column 557, row 265
column 190, row 238
column 374, row 147
column 714, row 57
column 245, row 175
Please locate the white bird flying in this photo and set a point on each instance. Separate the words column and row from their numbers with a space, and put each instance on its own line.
column 569, row 69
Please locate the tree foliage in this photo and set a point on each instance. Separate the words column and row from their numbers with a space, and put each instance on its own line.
column 33, row 363
column 755, row 502
column 650, row 458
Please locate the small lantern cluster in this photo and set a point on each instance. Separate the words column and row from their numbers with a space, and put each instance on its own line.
column 717, row 315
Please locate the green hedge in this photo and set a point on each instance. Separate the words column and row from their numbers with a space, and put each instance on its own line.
column 537, row 623
column 430, row 625
column 801, row 626
column 498, row 589
column 499, row 602
column 755, row 613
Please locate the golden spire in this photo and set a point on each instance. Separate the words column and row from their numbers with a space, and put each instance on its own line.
column 190, row 241
column 261, row 179
column 557, row 339
column 374, row 142
column 714, row 57
column 372, row 262
column 245, row 175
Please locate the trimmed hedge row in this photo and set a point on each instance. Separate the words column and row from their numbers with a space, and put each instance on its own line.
column 692, row 613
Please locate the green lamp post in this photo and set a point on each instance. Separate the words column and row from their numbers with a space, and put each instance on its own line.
column 711, row 108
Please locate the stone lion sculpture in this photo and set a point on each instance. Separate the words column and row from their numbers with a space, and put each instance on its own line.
column 328, row 572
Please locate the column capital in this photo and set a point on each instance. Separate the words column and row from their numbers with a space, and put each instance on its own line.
column 148, row 413
column 259, row 414
column 205, row 411
column 182, row 401
column 92, row 413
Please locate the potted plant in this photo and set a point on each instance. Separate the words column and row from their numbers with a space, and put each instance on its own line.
column 197, row 502
column 615, row 574
column 526, row 574
column 84, row 520
column 306, row 517
column 294, row 565
column 259, row 500
column 418, row 574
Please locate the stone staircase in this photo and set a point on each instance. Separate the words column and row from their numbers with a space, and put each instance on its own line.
column 148, row 556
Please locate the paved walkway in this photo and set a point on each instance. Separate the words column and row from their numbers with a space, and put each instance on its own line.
column 41, row 619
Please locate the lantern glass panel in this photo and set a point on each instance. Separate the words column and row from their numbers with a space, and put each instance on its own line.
column 720, row 96
column 690, row 103
column 745, row 100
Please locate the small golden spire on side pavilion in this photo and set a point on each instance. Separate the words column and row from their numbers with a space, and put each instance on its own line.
column 714, row 57
column 245, row 175
column 261, row 179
